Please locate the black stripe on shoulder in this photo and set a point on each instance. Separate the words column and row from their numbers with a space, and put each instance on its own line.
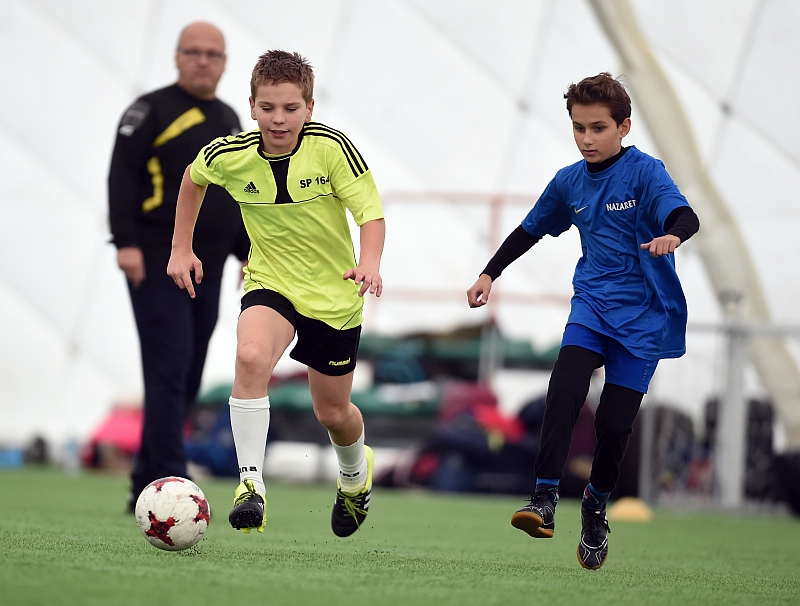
column 347, row 145
column 231, row 148
column 356, row 172
column 235, row 140
column 357, row 163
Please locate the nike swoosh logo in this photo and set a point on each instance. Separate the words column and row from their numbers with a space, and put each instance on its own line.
column 577, row 210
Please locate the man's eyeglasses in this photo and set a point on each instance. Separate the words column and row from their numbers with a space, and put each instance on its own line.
column 194, row 54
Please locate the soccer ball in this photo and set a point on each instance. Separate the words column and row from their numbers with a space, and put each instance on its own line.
column 172, row 513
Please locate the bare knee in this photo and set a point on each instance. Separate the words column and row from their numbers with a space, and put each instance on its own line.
column 331, row 414
column 253, row 361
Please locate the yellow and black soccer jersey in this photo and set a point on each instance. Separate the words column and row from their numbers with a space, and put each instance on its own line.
column 293, row 208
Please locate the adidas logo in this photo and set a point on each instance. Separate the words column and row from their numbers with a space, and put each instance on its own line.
column 250, row 188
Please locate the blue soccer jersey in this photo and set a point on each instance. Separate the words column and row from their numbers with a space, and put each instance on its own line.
column 620, row 290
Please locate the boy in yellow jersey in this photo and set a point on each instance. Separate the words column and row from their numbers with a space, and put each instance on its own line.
column 293, row 179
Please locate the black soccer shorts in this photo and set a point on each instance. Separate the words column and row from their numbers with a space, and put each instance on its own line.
column 319, row 346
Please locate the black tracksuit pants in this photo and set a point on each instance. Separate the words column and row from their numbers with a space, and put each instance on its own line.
column 614, row 417
column 174, row 331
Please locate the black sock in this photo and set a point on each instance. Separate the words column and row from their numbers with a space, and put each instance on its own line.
column 550, row 486
column 593, row 498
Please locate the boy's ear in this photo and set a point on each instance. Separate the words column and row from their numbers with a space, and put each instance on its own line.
column 252, row 108
column 625, row 127
column 310, row 110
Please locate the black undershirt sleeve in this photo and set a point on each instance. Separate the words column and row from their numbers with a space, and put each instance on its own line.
column 513, row 247
column 682, row 222
column 133, row 145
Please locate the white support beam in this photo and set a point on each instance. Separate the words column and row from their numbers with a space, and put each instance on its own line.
column 719, row 242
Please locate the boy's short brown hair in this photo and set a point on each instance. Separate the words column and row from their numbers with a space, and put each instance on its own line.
column 602, row 89
column 276, row 66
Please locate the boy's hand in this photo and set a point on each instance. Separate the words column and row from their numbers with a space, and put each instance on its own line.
column 662, row 245
column 369, row 278
column 180, row 267
column 478, row 294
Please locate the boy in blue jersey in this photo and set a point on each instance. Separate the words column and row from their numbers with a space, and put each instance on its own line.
column 628, row 310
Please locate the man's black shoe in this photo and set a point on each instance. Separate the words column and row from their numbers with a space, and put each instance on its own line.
column 593, row 548
column 537, row 518
column 130, row 504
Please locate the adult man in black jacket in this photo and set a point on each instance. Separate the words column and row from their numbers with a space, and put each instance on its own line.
column 158, row 136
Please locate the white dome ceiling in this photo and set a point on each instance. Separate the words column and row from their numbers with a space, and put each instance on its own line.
column 439, row 96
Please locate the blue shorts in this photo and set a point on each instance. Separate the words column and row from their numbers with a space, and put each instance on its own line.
column 622, row 367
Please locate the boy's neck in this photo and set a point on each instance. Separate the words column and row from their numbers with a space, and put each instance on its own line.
column 295, row 147
column 596, row 167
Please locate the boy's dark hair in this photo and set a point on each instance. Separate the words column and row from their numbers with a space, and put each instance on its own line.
column 602, row 89
column 276, row 66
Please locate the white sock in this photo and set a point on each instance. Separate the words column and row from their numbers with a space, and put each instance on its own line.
column 250, row 423
column 352, row 465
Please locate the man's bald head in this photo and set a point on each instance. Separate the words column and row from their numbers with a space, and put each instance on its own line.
column 200, row 59
column 201, row 30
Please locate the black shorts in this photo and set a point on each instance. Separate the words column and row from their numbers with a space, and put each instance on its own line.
column 319, row 346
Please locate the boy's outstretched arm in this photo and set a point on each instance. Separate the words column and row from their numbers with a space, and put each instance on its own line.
column 514, row 246
column 367, row 273
column 182, row 260
column 681, row 224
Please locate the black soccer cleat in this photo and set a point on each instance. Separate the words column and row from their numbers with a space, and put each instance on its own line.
column 350, row 510
column 249, row 509
column 593, row 548
column 537, row 518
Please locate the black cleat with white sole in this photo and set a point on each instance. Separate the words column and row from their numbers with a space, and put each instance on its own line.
column 593, row 548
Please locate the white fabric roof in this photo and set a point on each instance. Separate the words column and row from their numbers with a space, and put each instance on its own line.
column 439, row 95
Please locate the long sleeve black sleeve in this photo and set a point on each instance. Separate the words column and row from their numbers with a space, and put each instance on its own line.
column 132, row 148
column 513, row 247
column 682, row 222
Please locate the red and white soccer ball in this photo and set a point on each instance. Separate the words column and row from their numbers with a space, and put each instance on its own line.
column 172, row 513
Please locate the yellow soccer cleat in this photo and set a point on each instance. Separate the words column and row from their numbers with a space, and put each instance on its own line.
column 249, row 509
column 350, row 510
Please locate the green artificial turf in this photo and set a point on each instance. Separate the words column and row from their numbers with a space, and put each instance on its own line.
column 64, row 540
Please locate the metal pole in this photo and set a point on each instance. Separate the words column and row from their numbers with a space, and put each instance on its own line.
column 491, row 354
column 647, row 492
column 731, row 446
